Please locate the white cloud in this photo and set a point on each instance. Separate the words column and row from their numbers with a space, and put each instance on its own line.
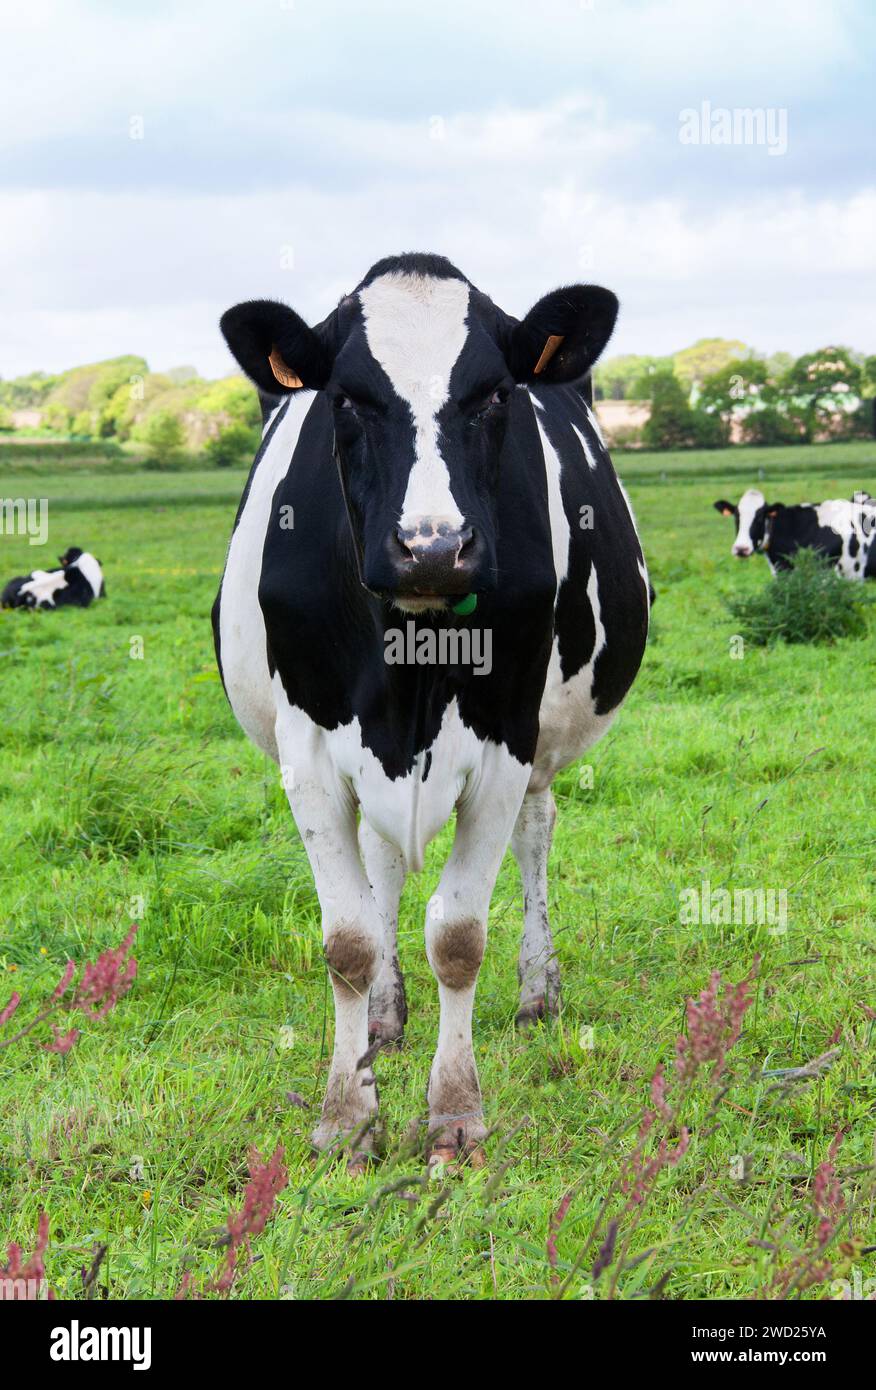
column 532, row 148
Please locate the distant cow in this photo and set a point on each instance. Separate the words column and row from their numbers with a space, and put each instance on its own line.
column 76, row 583
column 429, row 465
column 840, row 529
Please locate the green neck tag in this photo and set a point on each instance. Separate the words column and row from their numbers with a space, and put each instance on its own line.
column 465, row 606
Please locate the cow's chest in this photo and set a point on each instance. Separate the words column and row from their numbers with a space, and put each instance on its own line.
column 407, row 810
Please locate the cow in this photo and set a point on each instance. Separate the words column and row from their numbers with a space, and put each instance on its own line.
column 840, row 529
column 429, row 468
column 78, row 581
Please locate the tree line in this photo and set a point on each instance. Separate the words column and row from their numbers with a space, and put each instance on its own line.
column 708, row 395
column 720, row 391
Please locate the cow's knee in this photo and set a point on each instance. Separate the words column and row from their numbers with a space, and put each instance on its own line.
column 353, row 954
column 456, row 950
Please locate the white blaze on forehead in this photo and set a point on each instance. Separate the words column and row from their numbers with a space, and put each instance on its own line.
column 416, row 328
column 749, row 504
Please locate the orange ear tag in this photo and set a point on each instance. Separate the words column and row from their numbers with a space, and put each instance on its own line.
column 283, row 374
column 548, row 351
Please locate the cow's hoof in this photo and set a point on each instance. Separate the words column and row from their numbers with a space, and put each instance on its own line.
column 360, row 1162
column 457, row 1145
column 447, row 1159
column 534, row 1011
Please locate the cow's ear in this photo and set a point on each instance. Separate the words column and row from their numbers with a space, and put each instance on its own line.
column 774, row 508
column 275, row 347
column 725, row 508
column 562, row 335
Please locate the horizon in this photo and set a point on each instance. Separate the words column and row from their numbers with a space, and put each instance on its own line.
column 710, row 168
column 235, row 370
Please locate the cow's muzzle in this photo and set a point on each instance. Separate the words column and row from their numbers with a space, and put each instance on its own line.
column 435, row 559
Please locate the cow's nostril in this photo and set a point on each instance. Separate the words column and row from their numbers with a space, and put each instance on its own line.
column 466, row 544
column 404, row 550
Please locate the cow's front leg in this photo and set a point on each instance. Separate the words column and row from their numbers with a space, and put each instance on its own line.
column 385, row 867
column 456, row 937
column 538, row 969
column 325, row 813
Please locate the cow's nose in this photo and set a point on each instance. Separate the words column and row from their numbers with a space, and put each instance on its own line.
column 742, row 550
column 435, row 558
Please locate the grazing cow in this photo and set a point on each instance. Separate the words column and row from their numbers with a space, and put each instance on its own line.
column 76, row 583
column 431, row 474
column 842, row 530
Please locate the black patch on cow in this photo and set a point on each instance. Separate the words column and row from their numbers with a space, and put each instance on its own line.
column 793, row 528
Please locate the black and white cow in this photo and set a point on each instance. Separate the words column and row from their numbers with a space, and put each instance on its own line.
column 840, row 529
column 76, row 583
column 428, row 464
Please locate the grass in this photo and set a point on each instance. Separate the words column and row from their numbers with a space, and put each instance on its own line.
column 809, row 603
column 127, row 791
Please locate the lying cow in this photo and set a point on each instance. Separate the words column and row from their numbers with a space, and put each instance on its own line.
column 428, row 464
column 842, row 530
column 76, row 583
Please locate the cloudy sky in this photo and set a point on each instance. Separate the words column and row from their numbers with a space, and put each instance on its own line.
column 162, row 161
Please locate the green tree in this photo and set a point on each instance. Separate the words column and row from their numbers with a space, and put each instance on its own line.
column 235, row 444
column 83, row 424
column 771, row 425
column 708, row 355
column 671, row 424
column 618, row 378
column 163, row 436
column 234, row 397
column 868, row 378
column 738, row 384
column 822, row 384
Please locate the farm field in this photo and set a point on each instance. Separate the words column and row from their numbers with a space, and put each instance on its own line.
column 127, row 792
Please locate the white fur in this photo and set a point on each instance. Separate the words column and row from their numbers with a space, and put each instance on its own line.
column 91, row 570
column 44, row 585
column 585, row 445
column 416, row 329
column 560, row 531
column 241, row 625
column 749, row 503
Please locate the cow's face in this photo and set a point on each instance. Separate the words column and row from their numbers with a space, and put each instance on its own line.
column 419, row 371
column 753, row 518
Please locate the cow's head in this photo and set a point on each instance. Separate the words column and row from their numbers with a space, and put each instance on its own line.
column 419, row 369
column 753, row 517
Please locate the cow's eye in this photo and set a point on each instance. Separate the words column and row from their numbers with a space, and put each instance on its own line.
column 343, row 402
column 497, row 398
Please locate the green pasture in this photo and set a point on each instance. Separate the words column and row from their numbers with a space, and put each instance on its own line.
column 128, row 792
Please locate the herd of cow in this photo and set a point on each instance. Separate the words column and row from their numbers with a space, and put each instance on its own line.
column 427, row 456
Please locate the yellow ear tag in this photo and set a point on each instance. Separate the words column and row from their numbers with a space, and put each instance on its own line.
column 283, row 374
column 548, row 351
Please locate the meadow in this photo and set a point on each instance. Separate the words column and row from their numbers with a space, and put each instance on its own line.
column 127, row 792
